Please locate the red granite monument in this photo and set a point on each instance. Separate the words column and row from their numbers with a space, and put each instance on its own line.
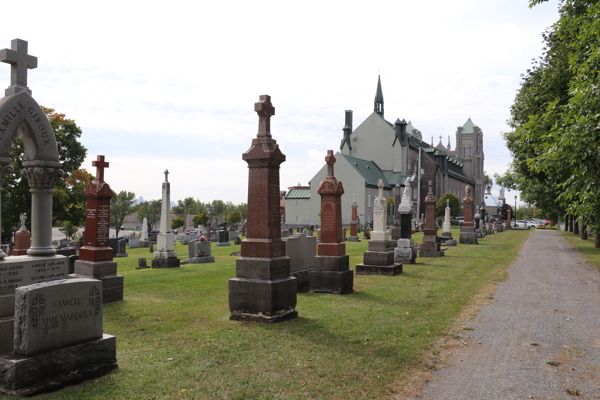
column 263, row 289
column 22, row 239
column 354, row 222
column 332, row 272
column 467, row 230
column 96, row 257
column 430, row 246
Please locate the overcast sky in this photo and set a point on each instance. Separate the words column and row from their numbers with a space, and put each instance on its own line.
column 171, row 85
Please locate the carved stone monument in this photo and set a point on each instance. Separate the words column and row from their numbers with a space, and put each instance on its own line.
column 23, row 118
column 96, row 257
column 405, row 251
column 144, row 241
column 263, row 289
column 379, row 259
column 165, row 255
column 59, row 339
column 467, row 230
column 353, row 235
column 430, row 246
column 332, row 272
column 447, row 226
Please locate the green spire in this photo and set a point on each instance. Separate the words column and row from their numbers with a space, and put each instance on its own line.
column 379, row 98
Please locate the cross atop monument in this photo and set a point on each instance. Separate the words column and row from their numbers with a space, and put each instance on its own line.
column 166, row 175
column 265, row 111
column 440, row 138
column 330, row 160
column 380, row 187
column 100, row 165
column 19, row 62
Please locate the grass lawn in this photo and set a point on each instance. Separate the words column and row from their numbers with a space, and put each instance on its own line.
column 175, row 341
column 587, row 248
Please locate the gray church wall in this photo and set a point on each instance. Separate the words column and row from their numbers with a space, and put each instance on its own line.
column 299, row 211
column 372, row 140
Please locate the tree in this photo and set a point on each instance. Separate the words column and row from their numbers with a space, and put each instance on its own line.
column 16, row 198
column 184, row 208
column 201, row 219
column 176, row 223
column 440, row 205
column 556, row 115
column 121, row 205
column 218, row 210
column 69, row 230
column 233, row 217
column 488, row 182
column 71, row 197
column 150, row 210
column 242, row 208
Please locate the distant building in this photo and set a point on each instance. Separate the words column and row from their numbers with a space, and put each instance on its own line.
column 378, row 149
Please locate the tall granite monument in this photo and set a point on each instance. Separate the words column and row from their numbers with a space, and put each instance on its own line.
column 332, row 272
column 430, row 246
column 405, row 251
column 263, row 289
column 96, row 257
column 165, row 255
column 467, row 230
column 354, row 222
column 379, row 258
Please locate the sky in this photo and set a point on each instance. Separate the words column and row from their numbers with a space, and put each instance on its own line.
column 172, row 85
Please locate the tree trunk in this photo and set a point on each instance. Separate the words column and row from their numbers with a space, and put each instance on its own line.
column 576, row 227
column 597, row 233
column 584, row 232
column 566, row 222
column 571, row 223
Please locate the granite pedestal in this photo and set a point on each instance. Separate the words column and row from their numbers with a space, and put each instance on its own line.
column 379, row 259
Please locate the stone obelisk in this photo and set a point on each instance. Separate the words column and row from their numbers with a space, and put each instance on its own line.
column 165, row 255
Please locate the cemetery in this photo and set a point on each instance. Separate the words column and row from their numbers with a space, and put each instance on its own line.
column 288, row 303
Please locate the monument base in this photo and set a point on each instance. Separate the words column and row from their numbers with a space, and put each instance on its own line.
column 303, row 279
column 144, row 243
column 499, row 228
column 430, row 247
column 467, row 235
column 52, row 370
column 353, row 239
column 122, row 254
column 262, row 300
column 405, row 255
column 332, row 274
column 200, row 260
column 222, row 244
column 166, row 262
column 446, row 236
column 106, row 272
column 7, row 330
column 389, row 270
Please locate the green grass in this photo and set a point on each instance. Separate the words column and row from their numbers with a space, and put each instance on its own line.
column 175, row 341
column 587, row 248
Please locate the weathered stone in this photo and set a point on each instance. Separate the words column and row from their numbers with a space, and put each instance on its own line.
column 18, row 271
column 430, row 246
column 57, row 314
column 142, row 263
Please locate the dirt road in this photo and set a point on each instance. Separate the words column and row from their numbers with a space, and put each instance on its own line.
column 539, row 339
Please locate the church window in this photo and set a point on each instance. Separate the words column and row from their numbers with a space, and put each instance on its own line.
column 369, row 201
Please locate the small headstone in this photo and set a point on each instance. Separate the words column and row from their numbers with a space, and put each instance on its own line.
column 63, row 243
column 134, row 242
column 301, row 250
column 142, row 263
column 223, row 239
column 121, row 250
column 238, row 240
column 151, row 248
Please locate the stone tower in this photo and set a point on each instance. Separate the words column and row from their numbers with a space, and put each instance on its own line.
column 469, row 151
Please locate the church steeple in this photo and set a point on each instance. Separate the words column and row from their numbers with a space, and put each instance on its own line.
column 379, row 98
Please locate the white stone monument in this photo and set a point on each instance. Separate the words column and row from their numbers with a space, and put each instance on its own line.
column 447, row 226
column 380, row 215
column 165, row 255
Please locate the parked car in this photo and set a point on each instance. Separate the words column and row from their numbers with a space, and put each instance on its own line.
column 534, row 223
column 522, row 224
column 540, row 221
column 192, row 231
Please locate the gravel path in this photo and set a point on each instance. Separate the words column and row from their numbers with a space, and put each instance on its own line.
column 549, row 309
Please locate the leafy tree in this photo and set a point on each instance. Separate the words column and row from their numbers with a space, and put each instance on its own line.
column 69, row 230
column 233, row 217
column 71, row 196
column 176, row 223
column 242, row 208
column 16, row 198
column 488, row 182
column 218, row 210
column 201, row 219
column 184, row 208
column 440, row 205
column 150, row 210
column 121, row 205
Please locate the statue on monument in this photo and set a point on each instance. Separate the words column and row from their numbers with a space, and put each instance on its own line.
column 23, row 218
column 406, row 196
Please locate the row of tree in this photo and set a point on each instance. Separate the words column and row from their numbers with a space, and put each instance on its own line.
column 555, row 120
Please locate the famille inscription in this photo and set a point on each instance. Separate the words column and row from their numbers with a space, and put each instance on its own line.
column 7, row 119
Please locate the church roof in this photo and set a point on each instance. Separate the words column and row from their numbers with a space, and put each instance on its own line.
column 441, row 147
column 490, row 201
column 370, row 171
column 394, row 178
column 298, row 194
column 468, row 127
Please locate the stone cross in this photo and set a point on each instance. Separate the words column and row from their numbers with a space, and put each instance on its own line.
column 380, row 186
column 100, row 165
column 20, row 61
column 166, row 175
column 440, row 138
column 330, row 159
column 265, row 111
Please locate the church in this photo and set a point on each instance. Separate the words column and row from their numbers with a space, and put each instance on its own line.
column 378, row 149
